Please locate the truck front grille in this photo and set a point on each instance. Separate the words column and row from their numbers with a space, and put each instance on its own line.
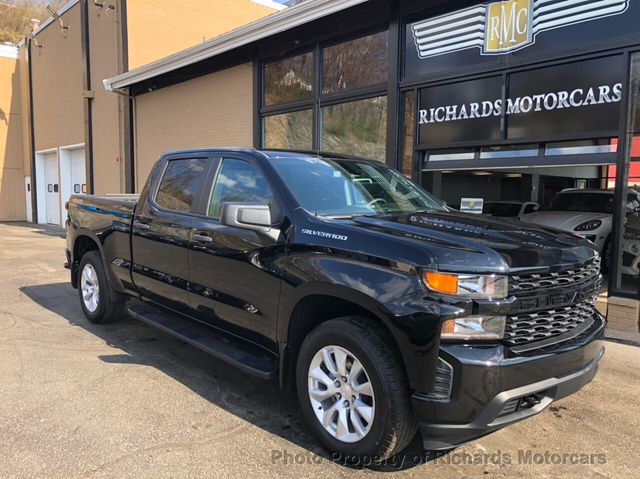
column 539, row 325
column 522, row 284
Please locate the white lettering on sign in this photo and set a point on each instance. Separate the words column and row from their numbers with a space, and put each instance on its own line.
column 324, row 234
column 576, row 98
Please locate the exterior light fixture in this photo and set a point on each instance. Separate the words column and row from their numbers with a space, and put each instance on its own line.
column 58, row 18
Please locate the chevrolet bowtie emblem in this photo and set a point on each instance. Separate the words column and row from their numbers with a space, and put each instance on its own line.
column 502, row 27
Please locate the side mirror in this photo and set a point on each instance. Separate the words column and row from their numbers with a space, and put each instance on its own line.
column 248, row 216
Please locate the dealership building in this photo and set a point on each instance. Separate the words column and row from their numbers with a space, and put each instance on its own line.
column 480, row 103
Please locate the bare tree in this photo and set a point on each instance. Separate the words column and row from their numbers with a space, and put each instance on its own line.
column 15, row 15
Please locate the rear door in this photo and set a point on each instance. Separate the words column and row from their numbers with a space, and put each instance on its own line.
column 233, row 278
column 162, row 230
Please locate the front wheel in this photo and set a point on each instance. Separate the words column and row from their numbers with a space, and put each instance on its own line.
column 99, row 302
column 353, row 391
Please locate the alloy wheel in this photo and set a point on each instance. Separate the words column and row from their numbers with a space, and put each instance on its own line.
column 341, row 394
column 90, row 288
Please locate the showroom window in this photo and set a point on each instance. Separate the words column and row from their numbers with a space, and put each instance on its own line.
column 289, row 80
column 356, row 128
column 356, row 63
column 291, row 131
column 627, row 279
column 343, row 109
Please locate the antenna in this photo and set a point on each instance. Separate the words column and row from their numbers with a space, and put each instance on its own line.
column 33, row 38
column 58, row 18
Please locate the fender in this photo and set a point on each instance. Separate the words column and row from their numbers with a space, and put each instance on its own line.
column 108, row 240
column 374, row 288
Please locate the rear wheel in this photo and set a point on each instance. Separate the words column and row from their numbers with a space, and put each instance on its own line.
column 99, row 302
column 353, row 390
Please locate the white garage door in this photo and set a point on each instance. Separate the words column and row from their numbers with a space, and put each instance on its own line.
column 78, row 175
column 52, row 188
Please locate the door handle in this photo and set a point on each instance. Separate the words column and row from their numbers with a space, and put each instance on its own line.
column 202, row 238
column 141, row 226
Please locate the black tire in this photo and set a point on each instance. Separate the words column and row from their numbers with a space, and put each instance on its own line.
column 393, row 426
column 111, row 304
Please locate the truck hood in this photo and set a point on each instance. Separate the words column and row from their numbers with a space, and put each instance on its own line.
column 465, row 242
column 563, row 220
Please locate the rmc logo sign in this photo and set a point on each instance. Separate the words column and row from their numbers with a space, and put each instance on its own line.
column 508, row 25
column 502, row 27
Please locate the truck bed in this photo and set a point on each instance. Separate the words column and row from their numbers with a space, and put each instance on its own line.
column 117, row 205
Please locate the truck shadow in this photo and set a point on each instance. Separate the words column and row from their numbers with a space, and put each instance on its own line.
column 258, row 402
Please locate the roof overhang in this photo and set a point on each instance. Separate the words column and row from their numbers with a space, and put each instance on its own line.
column 9, row 51
column 273, row 24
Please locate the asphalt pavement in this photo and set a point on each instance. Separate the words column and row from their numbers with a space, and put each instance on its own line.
column 79, row 400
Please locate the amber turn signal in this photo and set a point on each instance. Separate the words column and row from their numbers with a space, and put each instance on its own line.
column 441, row 282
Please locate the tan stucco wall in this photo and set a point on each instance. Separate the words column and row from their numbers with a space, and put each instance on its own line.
column 23, row 68
column 57, row 85
column 12, row 197
column 211, row 111
column 108, row 168
column 157, row 28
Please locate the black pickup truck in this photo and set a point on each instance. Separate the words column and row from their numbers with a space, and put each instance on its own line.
column 387, row 312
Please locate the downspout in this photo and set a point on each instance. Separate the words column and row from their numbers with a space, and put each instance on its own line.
column 127, row 117
column 87, row 94
column 32, row 137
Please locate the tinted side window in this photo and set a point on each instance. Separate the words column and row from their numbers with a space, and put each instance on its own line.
column 238, row 181
column 180, row 183
column 529, row 209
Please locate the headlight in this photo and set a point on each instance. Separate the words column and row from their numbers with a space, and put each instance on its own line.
column 589, row 226
column 632, row 234
column 474, row 327
column 471, row 286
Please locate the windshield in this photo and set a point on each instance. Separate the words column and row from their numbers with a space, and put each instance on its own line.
column 501, row 209
column 337, row 188
column 589, row 202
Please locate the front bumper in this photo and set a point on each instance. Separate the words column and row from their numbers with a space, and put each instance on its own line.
column 491, row 390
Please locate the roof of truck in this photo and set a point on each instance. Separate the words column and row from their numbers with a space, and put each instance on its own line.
column 270, row 153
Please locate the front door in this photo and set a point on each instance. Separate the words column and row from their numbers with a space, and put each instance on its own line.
column 52, row 189
column 162, row 231
column 234, row 283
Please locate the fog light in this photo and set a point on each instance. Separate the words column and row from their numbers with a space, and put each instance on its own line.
column 474, row 327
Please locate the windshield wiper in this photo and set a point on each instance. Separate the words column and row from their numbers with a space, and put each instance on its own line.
column 344, row 217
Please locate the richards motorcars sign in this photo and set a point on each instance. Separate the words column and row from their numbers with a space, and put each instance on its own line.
column 543, row 103
column 525, row 30
column 550, row 101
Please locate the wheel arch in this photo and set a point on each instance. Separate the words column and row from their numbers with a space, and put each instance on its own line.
column 316, row 306
column 82, row 244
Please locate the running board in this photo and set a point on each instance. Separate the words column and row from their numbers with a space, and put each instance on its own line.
column 242, row 354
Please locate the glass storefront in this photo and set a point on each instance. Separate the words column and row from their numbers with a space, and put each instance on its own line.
column 628, row 277
column 532, row 129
